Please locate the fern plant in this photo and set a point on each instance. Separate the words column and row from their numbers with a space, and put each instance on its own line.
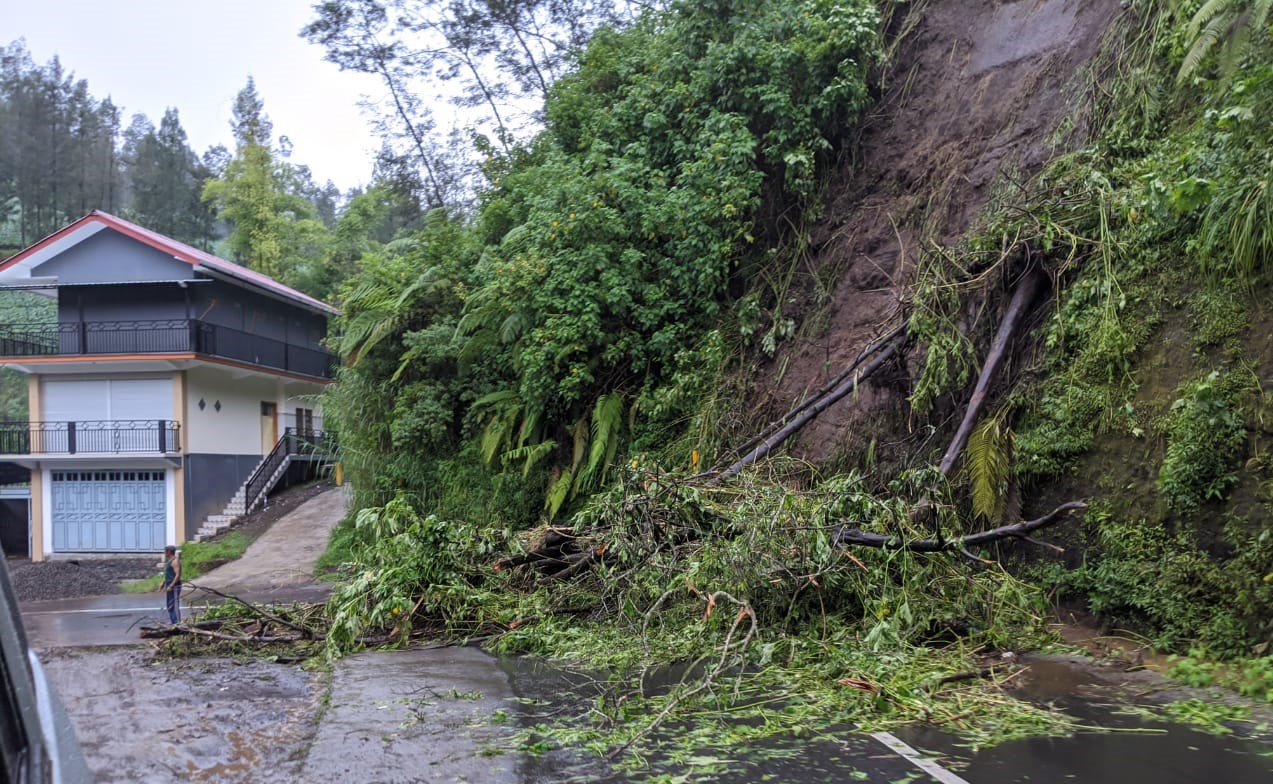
column 988, row 466
column 1230, row 24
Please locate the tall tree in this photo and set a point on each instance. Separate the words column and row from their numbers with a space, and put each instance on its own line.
column 497, row 58
column 57, row 146
column 167, row 181
column 250, row 123
column 276, row 228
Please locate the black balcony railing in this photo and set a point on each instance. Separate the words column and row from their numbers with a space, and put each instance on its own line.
column 161, row 337
column 305, row 443
column 131, row 436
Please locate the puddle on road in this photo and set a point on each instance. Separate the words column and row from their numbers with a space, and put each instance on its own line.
column 1171, row 754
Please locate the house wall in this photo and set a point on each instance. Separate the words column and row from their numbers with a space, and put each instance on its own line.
column 233, row 428
column 229, row 306
column 111, row 256
column 131, row 302
column 210, row 482
column 223, row 447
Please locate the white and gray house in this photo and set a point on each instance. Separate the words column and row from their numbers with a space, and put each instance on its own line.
column 172, row 391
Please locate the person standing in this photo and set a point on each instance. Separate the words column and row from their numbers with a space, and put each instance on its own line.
column 172, row 583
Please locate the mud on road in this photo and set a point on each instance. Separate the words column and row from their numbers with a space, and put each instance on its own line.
column 401, row 716
column 198, row 720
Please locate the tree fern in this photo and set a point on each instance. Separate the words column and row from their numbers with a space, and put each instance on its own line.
column 607, row 426
column 558, row 492
column 988, row 463
column 372, row 316
column 1231, row 24
column 580, row 443
column 497, row 436
column 530, row 454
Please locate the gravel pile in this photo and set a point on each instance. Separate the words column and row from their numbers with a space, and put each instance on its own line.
column 70, row 579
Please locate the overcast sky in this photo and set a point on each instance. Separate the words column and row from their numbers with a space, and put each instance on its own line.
column 195, row 55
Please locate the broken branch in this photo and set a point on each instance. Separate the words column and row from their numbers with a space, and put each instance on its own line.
column 817, row 407
column 858, row 538
column 1021, row 299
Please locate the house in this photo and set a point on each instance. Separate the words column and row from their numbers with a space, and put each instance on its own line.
column 169, row 390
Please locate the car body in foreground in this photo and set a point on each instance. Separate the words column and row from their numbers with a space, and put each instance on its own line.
column 36, row 736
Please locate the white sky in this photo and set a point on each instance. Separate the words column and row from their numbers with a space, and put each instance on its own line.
column 195, row 55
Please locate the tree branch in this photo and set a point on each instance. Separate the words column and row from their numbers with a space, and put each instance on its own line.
column 858, row 538
column 822, row 404
column 1021, row 299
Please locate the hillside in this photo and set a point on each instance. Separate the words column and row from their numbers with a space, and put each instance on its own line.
column 1051, row 136
column 979, row 95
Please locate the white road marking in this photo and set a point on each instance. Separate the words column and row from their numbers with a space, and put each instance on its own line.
column 101, row 611
column 896, row 745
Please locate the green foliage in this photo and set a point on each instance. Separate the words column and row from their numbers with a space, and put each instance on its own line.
column 275, row 229
column 1208, row 716
column 747, row 584
column 1218, row 316
column 1231, row 25
column 1250, row 678
column 339, row 553
column 988, row 464
column 1256, row 679
column 613, row 240
column 1193, row 670
column 1205, row 433
column 579, row 312
column 1162, row 583
column 406, row 563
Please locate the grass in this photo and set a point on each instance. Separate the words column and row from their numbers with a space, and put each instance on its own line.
column 339, row 550
column 197, row 558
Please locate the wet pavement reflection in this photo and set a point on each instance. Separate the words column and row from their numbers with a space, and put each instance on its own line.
column 1121, row 748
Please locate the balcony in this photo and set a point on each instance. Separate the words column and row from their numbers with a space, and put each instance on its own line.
column 115, row 437
column 177, row 336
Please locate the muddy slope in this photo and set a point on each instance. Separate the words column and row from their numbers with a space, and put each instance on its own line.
column 980, row 91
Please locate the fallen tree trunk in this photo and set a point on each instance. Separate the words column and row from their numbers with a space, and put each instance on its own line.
column 853, row 537
column 817, row 407
column 1021, row 299
column 826, row 389
column 256, row 609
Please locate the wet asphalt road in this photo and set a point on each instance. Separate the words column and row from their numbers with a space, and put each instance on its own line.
column 114, row 620
column 455, row 714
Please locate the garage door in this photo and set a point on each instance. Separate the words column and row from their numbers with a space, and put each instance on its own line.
column 106, row 400
column 108, row 511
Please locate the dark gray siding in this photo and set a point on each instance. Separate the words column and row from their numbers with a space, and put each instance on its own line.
column 211, row 481
column 228, row 306
column 13, row 526
column 111, row 256
column 128, row 302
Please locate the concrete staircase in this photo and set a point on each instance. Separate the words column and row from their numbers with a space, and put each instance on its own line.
column 238, row 506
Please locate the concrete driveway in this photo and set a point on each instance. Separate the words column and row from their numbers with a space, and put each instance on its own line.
column 284, row 556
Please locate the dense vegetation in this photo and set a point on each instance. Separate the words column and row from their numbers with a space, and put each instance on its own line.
column 558, row 348
column 570, row 352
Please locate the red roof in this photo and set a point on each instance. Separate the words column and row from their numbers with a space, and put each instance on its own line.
column 178, row 250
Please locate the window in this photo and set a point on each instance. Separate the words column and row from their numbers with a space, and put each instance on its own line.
column 305, row 421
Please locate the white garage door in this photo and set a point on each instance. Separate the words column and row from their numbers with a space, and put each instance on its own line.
column 107, row 399
column 108, row 511
column 142, row 402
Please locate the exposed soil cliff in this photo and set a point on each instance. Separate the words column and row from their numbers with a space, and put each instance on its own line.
column 980, row 92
